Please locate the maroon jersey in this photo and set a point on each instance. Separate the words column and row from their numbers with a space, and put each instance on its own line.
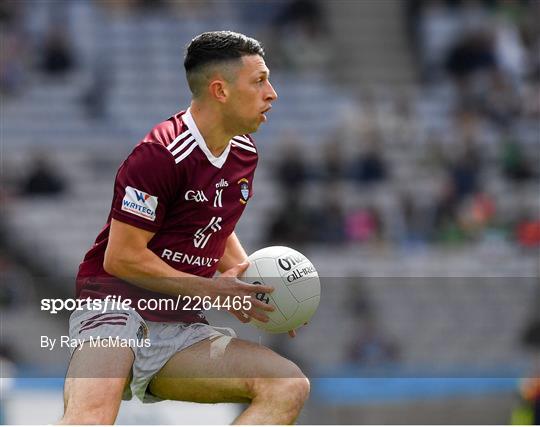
column 172, row 185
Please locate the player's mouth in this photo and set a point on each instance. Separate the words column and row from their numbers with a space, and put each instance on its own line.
column 263, row 113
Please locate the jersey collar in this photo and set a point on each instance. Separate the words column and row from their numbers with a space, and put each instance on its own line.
column 218, row 162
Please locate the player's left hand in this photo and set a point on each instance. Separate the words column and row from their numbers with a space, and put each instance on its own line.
column 240, row 315
column 292, row 332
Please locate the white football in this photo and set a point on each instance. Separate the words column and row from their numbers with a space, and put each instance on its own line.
column 296, row 284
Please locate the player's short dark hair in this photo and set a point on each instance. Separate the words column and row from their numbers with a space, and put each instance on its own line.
column 215, row 48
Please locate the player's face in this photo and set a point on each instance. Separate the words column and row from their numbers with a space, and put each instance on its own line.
column 251, row 94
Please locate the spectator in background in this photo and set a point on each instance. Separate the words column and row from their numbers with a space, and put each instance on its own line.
column 510, row 50
column 402, row 125
column 464, row 163
column 328, row 218
column 58, row 58
column 501, row 102
column 472, row 55
column 528, row 232
column 291, row 169
column 433, row 157
column 333, row 168
column 43, row 179
column 358, row 302
column 292, row 224
column 437, row 27
column 306, row 13
column 370, row 166
column 464, row 171
column 364, row 225
column 445, row 215
column 13, row 53
column 477, row 214
column 409, row 221
column 370, row 348
column 299, row 35
column 16, row 286
column 12, row 67
column 95, row 97
column 513, row 160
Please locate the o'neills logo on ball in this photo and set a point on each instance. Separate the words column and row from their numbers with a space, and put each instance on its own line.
column 244, row 190
column 290, row 261
column 301, row 272
column 291, row 265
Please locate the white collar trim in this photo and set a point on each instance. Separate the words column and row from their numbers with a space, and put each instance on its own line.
column 216, row 161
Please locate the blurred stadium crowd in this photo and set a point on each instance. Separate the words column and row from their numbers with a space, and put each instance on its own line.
column 443, row 160
column 354, row 167
column 467, row 137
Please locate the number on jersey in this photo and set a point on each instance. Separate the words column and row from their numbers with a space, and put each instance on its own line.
column 202, row 235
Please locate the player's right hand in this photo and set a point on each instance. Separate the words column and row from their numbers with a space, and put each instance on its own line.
column 228, row 284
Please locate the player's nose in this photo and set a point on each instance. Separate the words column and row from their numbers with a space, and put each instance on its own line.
column 272, row 94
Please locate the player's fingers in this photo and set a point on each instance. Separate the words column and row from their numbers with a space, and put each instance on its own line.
column 292, row 333
column 257, row 289
column 259, row 315
column 262, row 305
column 240, row 315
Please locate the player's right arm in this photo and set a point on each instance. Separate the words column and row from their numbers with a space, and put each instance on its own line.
column 127, row 257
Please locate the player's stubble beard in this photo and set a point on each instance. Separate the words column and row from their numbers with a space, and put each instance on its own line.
column 235, row 124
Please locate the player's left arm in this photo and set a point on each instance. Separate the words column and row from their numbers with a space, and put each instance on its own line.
column 234, row 254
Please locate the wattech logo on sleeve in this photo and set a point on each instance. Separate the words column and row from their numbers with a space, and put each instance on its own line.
column 140, row 203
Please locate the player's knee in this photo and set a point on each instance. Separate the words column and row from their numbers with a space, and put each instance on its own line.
column 89, row 416
column 87, row 419
column 289, row 392
column 295, row 383
column 297, row 389
column 287, row 396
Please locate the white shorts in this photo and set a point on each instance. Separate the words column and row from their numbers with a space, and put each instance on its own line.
column 152, row 343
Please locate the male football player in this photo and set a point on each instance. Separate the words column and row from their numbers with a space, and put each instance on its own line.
column 177, row 199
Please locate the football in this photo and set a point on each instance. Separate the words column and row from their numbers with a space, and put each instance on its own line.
column 296, row 284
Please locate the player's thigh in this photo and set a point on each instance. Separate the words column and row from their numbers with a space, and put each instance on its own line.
column 96, row 379
column 208, row 373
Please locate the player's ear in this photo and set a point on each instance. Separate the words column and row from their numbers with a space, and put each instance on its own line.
column 218, row 90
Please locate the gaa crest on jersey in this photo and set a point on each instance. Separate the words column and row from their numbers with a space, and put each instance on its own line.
column 139, row 203
column 244, row 190
column 196, row 196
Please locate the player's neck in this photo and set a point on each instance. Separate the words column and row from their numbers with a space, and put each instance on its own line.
column 212, row 131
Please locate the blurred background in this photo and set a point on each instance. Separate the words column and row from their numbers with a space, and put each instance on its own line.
column 402, row 157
